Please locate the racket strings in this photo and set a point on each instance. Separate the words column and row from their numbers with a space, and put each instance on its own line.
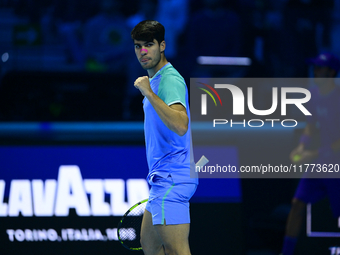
column 130, row 227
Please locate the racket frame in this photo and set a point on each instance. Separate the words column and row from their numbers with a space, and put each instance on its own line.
column 120, row 223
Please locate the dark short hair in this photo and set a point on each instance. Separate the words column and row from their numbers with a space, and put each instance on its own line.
column 148, row 30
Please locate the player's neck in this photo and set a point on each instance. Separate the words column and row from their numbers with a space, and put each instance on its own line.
column 162, row 62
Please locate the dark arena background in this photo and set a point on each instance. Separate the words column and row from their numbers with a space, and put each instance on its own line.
column 72, row 154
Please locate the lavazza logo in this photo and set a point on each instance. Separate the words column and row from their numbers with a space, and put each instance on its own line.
column 239, row 105
column 56, row 197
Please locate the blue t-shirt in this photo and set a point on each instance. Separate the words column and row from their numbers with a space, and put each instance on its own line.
column 325, row 111
column 168, row 153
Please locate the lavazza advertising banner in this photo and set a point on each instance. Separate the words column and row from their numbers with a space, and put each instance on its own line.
column 69, row 199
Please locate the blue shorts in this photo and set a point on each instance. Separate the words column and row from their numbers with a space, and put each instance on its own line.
column 312, row 190
column 168, row 202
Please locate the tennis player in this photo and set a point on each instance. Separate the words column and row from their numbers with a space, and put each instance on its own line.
column 325, row 109
column 166, row 221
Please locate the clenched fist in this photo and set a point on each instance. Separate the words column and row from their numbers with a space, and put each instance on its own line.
column 143, row 84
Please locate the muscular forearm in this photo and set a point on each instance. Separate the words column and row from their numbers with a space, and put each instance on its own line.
column 307, row 135
column 172, row 116
column 309, row 130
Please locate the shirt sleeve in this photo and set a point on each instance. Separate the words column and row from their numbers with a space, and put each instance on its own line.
column 172, row 90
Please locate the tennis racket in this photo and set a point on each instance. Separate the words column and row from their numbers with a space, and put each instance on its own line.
column 129, row 227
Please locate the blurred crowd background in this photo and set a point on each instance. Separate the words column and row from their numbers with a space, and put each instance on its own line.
column 70, row 60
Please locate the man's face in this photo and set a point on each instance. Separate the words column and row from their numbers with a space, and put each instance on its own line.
column 148, row 53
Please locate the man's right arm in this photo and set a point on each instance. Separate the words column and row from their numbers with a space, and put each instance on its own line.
column 300, row 155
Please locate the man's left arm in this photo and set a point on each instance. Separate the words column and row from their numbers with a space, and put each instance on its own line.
column 174, row 116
